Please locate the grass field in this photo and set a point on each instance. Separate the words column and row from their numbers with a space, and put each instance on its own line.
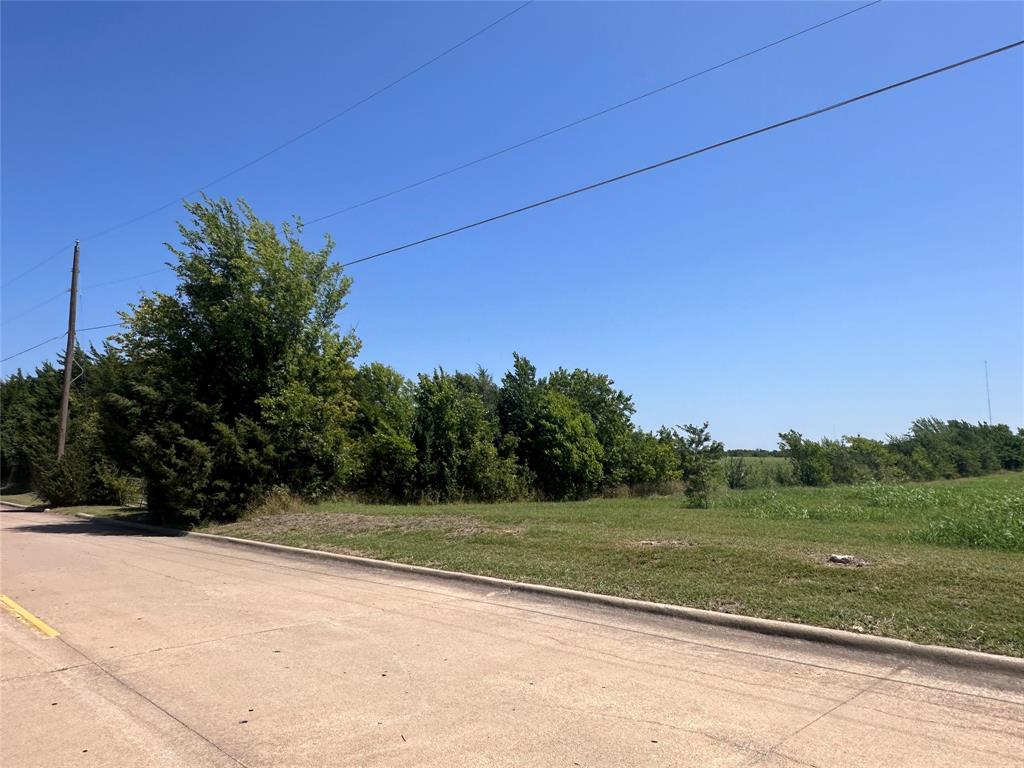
column 946, row 560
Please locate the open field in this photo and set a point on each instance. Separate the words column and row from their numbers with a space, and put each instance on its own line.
column 946, row 560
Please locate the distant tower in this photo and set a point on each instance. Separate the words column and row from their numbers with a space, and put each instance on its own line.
column 988, row 395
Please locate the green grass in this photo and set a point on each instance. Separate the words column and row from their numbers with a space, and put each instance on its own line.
column 27, row 499
column 946, row 559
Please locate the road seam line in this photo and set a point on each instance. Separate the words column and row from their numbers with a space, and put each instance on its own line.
column 873, row 643
column 99, row 665
column 256, row 564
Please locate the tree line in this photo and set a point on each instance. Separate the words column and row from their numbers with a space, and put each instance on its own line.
column 240, row 382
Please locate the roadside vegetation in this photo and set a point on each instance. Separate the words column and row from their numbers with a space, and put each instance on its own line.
column 240, row 384
column 236, row 403
column 944, row 559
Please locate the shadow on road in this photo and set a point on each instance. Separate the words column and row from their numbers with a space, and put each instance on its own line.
column 81, row 527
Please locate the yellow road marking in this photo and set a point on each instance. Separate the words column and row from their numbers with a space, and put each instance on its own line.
column 28, row 618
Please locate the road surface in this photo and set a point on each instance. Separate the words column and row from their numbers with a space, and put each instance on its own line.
column 178, row 652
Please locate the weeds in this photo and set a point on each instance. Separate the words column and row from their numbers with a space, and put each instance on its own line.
column 1002, row 530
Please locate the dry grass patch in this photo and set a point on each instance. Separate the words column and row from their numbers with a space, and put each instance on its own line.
column 660, row 544
column 725, row 606
column 313, row 523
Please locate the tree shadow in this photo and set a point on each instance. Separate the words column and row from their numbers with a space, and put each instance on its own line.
column 93, row 527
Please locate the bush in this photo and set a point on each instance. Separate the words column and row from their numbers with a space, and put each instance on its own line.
column 810, row 461
column 699, row 456
column 566, row 455
column 456, row 445
column 737, row 473
column 782, row 473
column 62, row 482
column 116, row 488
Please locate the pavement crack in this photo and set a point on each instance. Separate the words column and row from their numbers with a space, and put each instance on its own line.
column 210, row 640
column 43, row 673
column 211, row 551
column 146, row 698
column 895, row 671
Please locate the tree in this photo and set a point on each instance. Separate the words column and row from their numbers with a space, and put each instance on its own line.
column 241, row 376
column 565, row 454
column 456, row 445
column 553, row 437
column 651, row 459
column 482, row 384
column 699, row 455
column 809, row 459
column 518, row 400
column 382, row 430
column 611, row 411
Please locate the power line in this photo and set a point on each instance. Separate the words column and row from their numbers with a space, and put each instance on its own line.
column 644, row 169
column 127, row 279
column 497, row 153
column 34, row 307
column 97, row 327
column 59, row 336
column 592, row 116
column 83, row 289
column 687, row 155
column 34, row 346
column 284, row 144
column 37, row 265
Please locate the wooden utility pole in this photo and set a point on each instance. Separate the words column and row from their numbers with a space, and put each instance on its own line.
column 69, row 358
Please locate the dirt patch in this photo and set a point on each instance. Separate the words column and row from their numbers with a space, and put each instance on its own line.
column 725, row 606
column 661, row 544
column 847, row 560
column 320, row 523
column 854, row 563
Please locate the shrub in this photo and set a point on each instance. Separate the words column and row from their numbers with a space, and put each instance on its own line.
column 699, row 456
column 809, row 460
column 456, row 445
column 737, row 473
column 115, row 487
column 566, row 456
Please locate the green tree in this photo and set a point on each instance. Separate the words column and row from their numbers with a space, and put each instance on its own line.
column 241, row 376
column 553, row 437
column 611, row 411
column 699, row 457
column 518, row 401
column 382, row 430
column 651, row 459
column 565, row 454
column 810, row 461
column 482, row 384
column 456, row 445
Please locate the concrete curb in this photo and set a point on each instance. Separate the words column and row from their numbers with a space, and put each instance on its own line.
column 914, row 651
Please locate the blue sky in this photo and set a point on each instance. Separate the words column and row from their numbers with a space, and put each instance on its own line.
column 843, row 275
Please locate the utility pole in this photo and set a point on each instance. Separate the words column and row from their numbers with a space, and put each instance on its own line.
column 988, row 395
column 69, row 355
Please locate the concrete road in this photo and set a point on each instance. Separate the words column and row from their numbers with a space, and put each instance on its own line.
column 177, row 652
